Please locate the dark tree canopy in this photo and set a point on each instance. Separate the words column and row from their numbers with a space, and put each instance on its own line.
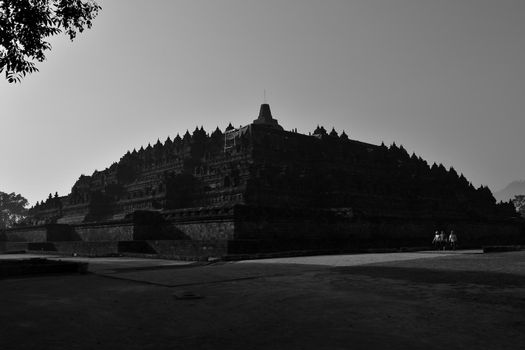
column 26, row 24
column 12, row 209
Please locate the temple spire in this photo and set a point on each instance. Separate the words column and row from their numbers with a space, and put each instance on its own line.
column 265, row 114
column 265, row 117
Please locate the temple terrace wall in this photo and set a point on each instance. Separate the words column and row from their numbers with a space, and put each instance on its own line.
column 214, row 232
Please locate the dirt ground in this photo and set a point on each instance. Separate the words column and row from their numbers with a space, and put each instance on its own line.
column 458, row 301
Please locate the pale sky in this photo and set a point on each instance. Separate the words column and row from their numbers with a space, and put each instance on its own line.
column 444, row 78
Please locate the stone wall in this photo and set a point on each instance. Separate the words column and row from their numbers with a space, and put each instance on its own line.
column 271, row 229
column 81, row 248
column 117, row 231
column 168, row 249
column 239, row 229
column 202, row 224
column 210, row 230
column 188, row 249
column 26, row 234
column 6, row 247
column 491, row 233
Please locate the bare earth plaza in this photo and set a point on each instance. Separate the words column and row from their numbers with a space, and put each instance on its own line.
column 423, row 300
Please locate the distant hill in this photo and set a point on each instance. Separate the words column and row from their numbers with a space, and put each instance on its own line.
column 512, row 189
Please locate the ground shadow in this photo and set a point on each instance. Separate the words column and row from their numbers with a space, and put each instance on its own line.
column 433, row 276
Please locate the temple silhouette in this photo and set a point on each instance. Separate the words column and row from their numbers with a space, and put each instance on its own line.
column 261, row 188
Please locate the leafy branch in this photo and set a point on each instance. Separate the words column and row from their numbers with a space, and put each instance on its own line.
column 26, row 24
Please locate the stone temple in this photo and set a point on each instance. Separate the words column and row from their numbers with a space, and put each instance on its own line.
column 260, row 188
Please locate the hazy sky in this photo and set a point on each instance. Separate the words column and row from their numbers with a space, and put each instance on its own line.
column 444, row 78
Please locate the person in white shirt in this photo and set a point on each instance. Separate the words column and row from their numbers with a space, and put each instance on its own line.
column 436, row 242
column 453, row 240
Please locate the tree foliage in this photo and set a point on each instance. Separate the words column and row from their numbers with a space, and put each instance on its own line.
column 26, row 24
column 519, row 203
column 12, row 209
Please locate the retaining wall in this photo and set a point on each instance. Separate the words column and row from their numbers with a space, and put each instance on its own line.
column 119, row 231
column 26, row 234
column 201, row 232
